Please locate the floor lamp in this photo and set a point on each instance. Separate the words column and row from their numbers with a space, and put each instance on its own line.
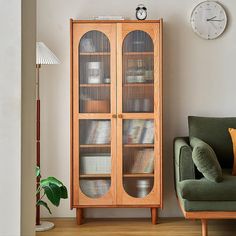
column 44, row 56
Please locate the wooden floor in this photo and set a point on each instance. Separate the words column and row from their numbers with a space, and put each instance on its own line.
column 139, row 227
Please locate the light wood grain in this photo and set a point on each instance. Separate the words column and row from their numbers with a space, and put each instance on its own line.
column 138, row 53
column 139, row 85
column 95, row 176
column 154, row 215
column 95, row 54
column 210, row 215
column 71, row 114
column 204, row 227
column 116, row 31
column 140, row 145
column 79, row 216
column 153, row 30
column 94, row 145
column 79, row 30
column 138, row 227
column 94, row 85
column 115, row 21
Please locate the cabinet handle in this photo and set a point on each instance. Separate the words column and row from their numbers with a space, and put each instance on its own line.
column 120, row 116
column 114, row 116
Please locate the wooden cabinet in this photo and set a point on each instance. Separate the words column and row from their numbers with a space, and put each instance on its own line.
column 116, row 114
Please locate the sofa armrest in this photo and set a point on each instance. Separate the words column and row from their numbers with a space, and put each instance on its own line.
column 183, row 163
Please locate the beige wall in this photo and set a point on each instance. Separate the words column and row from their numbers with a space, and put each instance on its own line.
column 198, row 80
column 17, row 117
column 28, row 157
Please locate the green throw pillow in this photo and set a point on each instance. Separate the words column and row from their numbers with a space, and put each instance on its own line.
column 205, row 160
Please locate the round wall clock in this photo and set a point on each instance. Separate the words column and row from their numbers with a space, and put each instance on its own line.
column 208, row 19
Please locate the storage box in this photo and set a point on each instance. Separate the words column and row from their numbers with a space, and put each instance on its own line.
column 96, row 106
column 95, row 163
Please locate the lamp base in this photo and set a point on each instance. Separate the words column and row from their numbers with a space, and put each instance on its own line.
column 44, row 226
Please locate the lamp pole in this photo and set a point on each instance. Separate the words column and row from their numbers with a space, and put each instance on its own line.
column 44, row 56
column 37, row 141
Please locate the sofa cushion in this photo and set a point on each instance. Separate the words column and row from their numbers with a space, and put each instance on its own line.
column 205, row 160
column 205, row 190
column 214, row 131
column 192, row 206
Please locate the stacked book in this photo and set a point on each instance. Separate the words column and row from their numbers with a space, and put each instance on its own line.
column 98, row 132
column 108, row 18
column 93, row 163
column 95, row 188
column 143, row 162
column 138, row 131
column 139, row 105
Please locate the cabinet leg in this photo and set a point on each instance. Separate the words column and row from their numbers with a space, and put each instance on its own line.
column 204, row 227
column 79, row 216
column 154, row 215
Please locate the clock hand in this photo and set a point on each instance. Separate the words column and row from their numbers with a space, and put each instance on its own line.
column 211, row 18
column 216, row 20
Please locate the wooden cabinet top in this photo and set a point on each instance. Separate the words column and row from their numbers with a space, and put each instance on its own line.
column 116, row 21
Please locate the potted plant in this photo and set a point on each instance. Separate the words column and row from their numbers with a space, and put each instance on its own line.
column 54, row 190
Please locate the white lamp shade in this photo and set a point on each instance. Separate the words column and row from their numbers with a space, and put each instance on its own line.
column 44, row 56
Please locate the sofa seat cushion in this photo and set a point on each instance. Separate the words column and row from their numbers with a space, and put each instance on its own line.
column 205, row 190
column 192, row 206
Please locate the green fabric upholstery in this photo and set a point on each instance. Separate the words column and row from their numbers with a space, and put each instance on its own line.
column 202, row 194
column 192, row 206
column 184, row 166
column 205, row 160
column 205, row 190
column 214, row 131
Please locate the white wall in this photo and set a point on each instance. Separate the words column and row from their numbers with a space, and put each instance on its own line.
column 10, row 117
column 16, row 106
column 199, row 79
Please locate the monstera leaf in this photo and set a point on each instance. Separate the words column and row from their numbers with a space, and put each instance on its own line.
column 64, row 193
column 53, row 188
column 42, row 203
column 53, row 192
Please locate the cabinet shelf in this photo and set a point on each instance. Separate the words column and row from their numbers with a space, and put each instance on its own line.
column 138, row 84
column 94, row 176
column 94, row 54
column 94, row 85
column 138, row 53
column 142, row 145
column 94, row 145
column 139, row 175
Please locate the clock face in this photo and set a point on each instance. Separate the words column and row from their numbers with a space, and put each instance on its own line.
column 141, row 14
column 209, row 20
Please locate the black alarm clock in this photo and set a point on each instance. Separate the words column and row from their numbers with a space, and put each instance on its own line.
column 141, row 12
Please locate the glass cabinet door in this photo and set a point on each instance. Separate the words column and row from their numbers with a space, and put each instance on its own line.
column 94, row 97
column 137, row 115
column 94, row 88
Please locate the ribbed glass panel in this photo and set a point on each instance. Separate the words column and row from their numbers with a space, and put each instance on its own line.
column 94, row 73
column 138, row 86
column 95, row 157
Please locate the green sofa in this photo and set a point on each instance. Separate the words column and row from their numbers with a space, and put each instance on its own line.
column 198, row 197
